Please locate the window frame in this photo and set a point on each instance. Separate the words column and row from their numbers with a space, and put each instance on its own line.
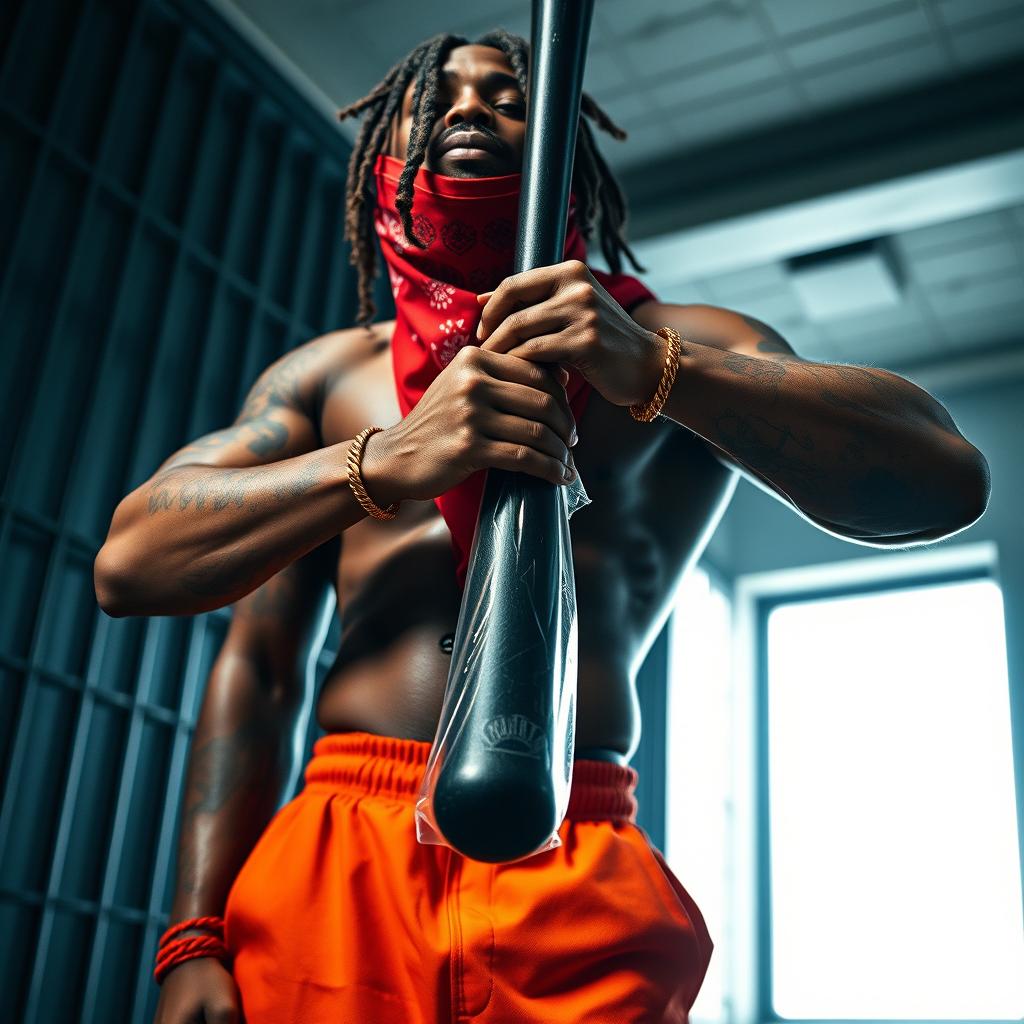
column 755, row 597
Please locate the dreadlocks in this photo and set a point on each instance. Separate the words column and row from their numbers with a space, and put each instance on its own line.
column 599, row 197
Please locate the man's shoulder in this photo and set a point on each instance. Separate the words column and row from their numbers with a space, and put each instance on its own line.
column 709, row 325
column 345, row 345
column 319, row 359
column 714, row 326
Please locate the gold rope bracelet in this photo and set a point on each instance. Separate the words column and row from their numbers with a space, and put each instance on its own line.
column 355, row 481
column 646, row 411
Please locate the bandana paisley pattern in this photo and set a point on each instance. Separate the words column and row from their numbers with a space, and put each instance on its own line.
column 469, row 227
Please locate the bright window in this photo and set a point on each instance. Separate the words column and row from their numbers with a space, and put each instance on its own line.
column 698, row 821
column 894, row 873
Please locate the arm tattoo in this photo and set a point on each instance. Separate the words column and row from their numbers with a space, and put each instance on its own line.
column 892, row 392
column 763, row 444
column 182, row 487
column 767, row 372
column 241, row 768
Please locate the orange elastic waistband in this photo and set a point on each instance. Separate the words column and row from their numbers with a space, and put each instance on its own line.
column 367, row 764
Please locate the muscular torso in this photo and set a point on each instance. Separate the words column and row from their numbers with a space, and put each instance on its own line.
column 656, row 494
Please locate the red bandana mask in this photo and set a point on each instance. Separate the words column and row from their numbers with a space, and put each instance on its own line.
column 470, row 225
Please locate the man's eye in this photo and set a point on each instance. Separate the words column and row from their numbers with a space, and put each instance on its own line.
column 509, row 106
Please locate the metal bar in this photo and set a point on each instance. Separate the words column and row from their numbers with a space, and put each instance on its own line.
column 157, row 918
column 341, row 283
column 307, row 243
column 255, row 361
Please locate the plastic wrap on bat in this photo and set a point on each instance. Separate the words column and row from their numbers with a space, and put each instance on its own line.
column 500, row 770
column 497, row 782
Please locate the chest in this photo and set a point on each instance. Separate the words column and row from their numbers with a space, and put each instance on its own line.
column 652, row 486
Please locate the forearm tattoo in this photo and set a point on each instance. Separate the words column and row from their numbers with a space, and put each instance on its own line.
column 241, row 769
column 181, row 488
column 848, row 465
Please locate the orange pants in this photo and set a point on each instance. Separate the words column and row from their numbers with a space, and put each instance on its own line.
column 339, row 915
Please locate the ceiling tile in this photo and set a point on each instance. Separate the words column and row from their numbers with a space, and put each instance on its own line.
column 981, row 44
column 901, row 26
column 952, row 233
column 978, row 296
column 757, row 110
column 703, row 42
column 643, row 143
column 956, row 12
column 630, row 109
column 637, row 19
column 886, row 349
column 917, row 61
column 777, row 308
column 964, row 263
column 699, row 85
column 604, row 76
column 1001, row 324
column 740, row 284
column 904, row 317
column 796, row 16
column 811, row 342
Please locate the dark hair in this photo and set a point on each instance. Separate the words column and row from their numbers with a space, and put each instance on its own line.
column 599, row 197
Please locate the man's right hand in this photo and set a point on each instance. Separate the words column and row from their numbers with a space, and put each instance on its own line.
column 484, row 409
column 199, row 991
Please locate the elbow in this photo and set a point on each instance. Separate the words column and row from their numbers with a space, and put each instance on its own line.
column 969, row 499
column 110, row 577
column 974, row 488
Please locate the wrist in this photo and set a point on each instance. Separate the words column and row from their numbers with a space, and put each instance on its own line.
column 671, row 345
column 652, row 365
column 377, row 469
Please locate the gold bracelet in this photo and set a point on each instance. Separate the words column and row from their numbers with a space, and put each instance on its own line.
column 646, row 411
column 355, row 481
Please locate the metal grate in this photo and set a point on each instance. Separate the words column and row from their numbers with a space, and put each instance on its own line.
column 171, row 225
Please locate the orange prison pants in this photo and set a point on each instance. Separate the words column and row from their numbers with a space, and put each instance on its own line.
column 340, row 916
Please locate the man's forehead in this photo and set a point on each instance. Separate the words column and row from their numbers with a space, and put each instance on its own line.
column 476, row 63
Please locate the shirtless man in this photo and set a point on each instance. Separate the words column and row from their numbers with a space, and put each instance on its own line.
column 260, row 515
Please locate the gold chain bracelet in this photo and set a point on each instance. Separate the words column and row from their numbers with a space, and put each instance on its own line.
column 646, row 411
column 355, row 481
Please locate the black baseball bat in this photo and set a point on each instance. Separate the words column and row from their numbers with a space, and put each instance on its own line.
column 506, row 747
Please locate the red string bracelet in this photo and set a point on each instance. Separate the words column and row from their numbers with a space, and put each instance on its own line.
column 174, row 948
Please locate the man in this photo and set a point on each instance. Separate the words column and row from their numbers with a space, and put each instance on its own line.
column 335, row 912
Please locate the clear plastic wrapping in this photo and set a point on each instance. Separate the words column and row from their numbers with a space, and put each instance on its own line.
column 498, row 777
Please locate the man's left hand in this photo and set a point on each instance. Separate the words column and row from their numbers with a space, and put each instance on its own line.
column 561, row 314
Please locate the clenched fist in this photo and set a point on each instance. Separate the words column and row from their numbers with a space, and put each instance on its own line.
column 483, row 410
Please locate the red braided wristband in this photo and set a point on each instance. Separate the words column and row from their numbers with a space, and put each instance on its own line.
column 209, row 923
column 173, row 950
column 190, row 948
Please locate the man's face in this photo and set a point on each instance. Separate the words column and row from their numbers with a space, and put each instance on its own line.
column 479, row 94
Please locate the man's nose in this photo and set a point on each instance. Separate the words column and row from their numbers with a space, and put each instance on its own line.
column 470, row 109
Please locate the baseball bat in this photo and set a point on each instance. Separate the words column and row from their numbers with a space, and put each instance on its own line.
column 507, row 755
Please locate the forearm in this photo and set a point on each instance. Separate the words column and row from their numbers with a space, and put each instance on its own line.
column 239, row 763
column 859, row 448
column 196, row 537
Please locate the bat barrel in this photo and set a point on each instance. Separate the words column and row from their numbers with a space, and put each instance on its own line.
column 503, row 785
